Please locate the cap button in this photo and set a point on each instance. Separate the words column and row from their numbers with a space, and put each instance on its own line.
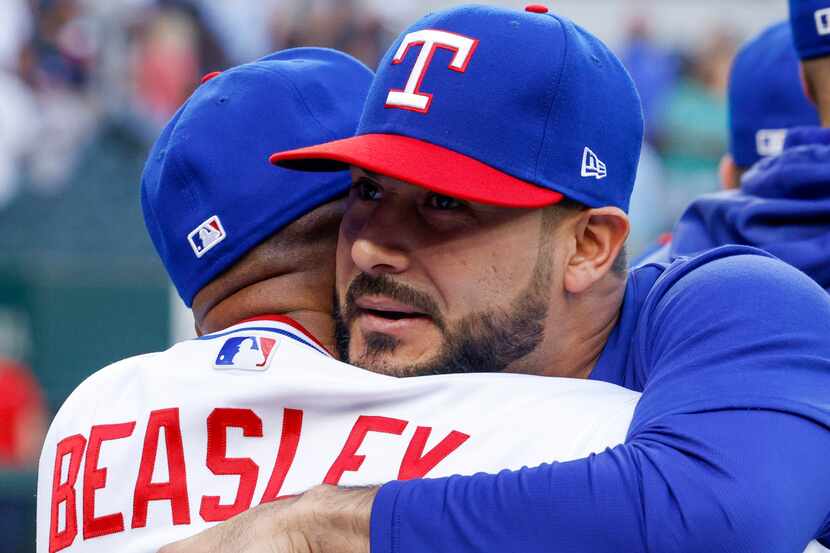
column 536, row 8
column 210, row 75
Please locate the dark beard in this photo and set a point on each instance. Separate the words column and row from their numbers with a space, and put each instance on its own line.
column 484, row 342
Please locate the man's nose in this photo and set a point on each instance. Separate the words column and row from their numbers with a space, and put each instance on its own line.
column 380, row 246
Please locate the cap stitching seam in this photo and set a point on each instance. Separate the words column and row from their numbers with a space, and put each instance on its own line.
column 555, row 97
column 279, row 73
column 179, row 162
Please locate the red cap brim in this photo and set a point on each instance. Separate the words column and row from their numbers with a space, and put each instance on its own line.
column 422, row 164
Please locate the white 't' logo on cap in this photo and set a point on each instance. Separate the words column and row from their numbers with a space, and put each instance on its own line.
column 411, row 98
column 823, row 21
column 592, row 166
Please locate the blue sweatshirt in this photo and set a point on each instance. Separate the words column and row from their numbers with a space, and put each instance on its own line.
column 728, row 451
column 783, row 207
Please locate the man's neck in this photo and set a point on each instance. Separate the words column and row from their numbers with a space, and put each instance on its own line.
column 817, row 78
column 320, row 325
column 574, row 343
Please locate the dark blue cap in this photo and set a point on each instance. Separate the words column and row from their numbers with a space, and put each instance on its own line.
column 500, row 107
column 766, row 97
column 810, row 21
column 209, row 194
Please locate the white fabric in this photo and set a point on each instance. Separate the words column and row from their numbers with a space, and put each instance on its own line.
column 512, row 421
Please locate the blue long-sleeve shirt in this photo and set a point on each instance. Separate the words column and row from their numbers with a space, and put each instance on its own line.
column 727, row 452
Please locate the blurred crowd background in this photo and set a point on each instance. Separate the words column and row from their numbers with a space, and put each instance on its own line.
column 85, row 86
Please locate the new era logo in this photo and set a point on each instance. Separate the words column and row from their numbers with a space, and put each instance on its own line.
column 823, row 21
column 770, row 142
column 247, row 353
column 592, row 166
column 206, row 236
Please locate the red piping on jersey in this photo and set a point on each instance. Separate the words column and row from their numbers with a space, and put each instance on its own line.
column 290, row 322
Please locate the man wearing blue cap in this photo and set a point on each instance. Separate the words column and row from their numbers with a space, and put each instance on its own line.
column 257, row 408
column 479, row 122
column 810, row 21
column 766, row 99
column 783, row 205
column 241, row 243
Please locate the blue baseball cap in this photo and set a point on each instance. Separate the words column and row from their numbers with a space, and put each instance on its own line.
column 810, row 21
column 209, row 194
column 502, row 107
column 766, row 97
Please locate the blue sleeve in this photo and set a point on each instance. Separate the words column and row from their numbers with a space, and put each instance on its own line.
column 726, row 453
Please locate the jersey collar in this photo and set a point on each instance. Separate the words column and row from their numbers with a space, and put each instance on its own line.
column 281, row 322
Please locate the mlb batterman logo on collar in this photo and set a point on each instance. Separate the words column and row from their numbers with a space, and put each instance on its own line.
column 497, row 106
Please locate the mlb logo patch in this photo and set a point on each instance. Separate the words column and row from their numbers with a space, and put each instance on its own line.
column 206, row 236
column 823, row 21
column 247, row 353
column 770, row 142
column 592, row 165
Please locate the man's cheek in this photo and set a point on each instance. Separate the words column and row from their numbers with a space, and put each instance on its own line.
column 351, row 225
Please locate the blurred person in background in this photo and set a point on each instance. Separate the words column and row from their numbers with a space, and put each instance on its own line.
column 781, row 204
column 172, row 48
column 22, row 429
column 654, row 69
column 766, row 98
column 647, row 211
column 345, row 25
column 22, row 416
column 242, row 27
column 17, row 109
column 57, row 64
column 692, row 138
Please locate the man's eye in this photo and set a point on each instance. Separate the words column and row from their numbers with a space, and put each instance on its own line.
column 367, row 191
column 438, row 201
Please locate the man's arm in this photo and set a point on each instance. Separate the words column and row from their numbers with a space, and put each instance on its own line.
column 325, row 518
column 725, row 453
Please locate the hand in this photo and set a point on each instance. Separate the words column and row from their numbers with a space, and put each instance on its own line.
column 326, row 519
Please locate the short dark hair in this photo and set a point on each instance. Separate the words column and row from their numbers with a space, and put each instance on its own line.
column 555, row 213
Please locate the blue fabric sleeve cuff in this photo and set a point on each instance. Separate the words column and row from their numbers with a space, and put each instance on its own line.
column 382, row 522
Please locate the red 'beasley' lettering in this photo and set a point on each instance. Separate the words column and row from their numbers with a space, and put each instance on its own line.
column 64, row 492
column 96, row 478
column 347, row 460
column 292, row 425
column 218, row 423
column 415, row 464
column 175, row 489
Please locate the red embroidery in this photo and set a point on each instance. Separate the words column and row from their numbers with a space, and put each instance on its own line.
column 65, row 492
column 220, row 464
column 292, row 426
column 96, row 478
column 174, row 490
column 415, row 464
column 348, row 460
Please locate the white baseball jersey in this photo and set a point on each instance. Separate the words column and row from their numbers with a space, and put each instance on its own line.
column 157, row 447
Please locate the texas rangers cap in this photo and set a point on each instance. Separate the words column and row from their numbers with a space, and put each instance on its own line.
column 766, row 97
column 504, row 107
column 810, row 21
column 209, row 194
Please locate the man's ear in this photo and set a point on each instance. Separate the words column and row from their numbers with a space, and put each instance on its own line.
column 600, row 235
column 729, row 177
column 805, row 84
